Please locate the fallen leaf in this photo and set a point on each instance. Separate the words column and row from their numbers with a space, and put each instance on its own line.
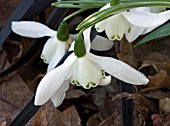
column 161, row 79
column 74, row 93
column 164, row 104
column 40, row 117
column 126, row 54
column 48, row 115
column 6, row 9
column 14, row 94
column 94, row 120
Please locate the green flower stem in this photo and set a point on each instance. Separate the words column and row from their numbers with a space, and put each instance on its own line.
column 79, row 4
column 114, row 2
column 101, row 15
column 73, row 14
column 63, row 29
column 87, row 6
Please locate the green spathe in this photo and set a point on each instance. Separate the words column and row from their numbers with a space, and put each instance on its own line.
column 63, row 32
column 79, row 47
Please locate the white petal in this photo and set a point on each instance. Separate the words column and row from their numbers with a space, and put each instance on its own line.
column 133, row 32
column 101, row 43
column 105, row 81
column 59, row 96
column 87, row 42
column 31, row 29
column 101, row 26
column 148, row 29
column 88, row 73
column 144, row 19
column 115, row 27
column 157, row 9
column 62, row 47
column 49, row 49
column 73, row 72
column 52, row 81
column 119, row 69
column 139, row 9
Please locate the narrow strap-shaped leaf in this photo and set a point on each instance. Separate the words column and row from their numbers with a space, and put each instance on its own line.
column 16, row 15
column 126, row 105
column 103, row 14
column 51, row 22
column 36, row 8
column 162, row 31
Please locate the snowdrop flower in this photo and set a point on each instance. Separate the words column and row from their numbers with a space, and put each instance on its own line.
column 54, row 49
column 133, row 23
column 84, row 69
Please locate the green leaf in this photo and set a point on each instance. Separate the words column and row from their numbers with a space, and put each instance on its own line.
column 103, row 14
column 162, row 31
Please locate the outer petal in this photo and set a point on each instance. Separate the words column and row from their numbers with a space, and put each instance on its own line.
column 134, row 32
column 59, row 53
column 87, row 42
column 101, row 44
column 59, row 96
column 115, row 27
column 53, row 81
column 88, row 73
column 119, row 69
column 144, row 19
column 49, row 49
column 32, row 29
column 140, row 9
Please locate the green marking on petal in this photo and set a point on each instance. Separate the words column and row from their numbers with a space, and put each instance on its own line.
column 44, row 59
column 103, row 74
column 113, row 37
column 118, row 37
column 76, row 82
column 98, row 28
column 129, row 29
column 91, row 84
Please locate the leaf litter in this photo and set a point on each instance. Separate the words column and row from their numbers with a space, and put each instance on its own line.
column 96, row 107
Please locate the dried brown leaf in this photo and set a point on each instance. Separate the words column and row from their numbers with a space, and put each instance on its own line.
column 126, row 54
column 51, row 116
column 161, row 79
column 40, row 117
column 72, row 115
column 74, row 93
column 155, row 60
column 164, row 104
column 14, row 94
column 94, row 120
column 6, row 9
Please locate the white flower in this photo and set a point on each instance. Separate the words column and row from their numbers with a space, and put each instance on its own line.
column 133, row 23
column 87, row 71
column 54, row 49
